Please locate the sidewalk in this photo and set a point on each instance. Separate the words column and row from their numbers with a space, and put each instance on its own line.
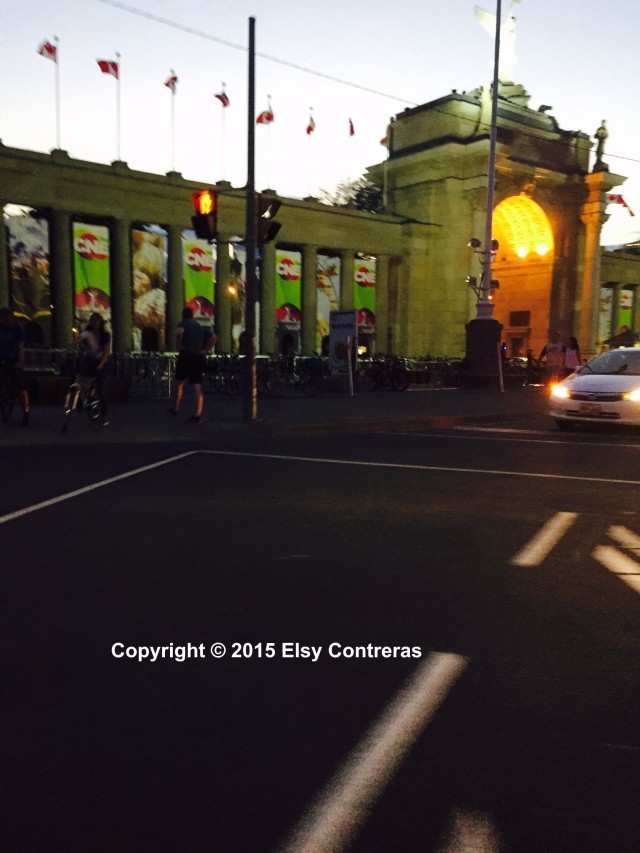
column 143, row 420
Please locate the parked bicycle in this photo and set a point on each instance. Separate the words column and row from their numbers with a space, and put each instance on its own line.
column 82, row 395
column 302, row 374
column 388, row 372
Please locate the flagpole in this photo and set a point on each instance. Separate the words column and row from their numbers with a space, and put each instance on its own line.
column 57, row 41
column 173, row 123
column 118, row 106
column 222, row 120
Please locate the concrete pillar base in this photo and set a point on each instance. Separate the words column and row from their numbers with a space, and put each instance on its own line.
column 482, row 353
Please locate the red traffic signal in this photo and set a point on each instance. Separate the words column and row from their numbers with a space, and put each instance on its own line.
column 266, row 208
column 205, row 219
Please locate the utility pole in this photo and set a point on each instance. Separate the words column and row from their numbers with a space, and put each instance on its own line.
column 250, row 391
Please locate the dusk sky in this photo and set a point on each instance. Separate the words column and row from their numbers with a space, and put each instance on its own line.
column 579, row 56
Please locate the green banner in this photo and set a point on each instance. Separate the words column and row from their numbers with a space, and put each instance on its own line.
column 288, row 287
column 199, row 276
column 92, row 272
column 364, row 296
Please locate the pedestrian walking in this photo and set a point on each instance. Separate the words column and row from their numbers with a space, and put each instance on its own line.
column 553, row 354
column 12, row 337
column 194, row 342
column 572, row 357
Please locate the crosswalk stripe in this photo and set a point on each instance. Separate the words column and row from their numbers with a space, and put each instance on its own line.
column 619, row 564
column 624, row 537
column 539, row 547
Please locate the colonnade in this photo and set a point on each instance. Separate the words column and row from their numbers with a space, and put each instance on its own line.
column 61, row 271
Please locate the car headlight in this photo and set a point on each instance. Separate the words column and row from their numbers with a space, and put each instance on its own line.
column 634, row 396
column 559, row 391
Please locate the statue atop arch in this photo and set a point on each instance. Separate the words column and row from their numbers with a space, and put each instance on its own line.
column 507, row 59
column 601, row 135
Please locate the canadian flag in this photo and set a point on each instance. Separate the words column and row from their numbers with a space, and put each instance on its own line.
column 616, row 198
column 352, row 129
column 223, row 98
column 170, row 83
column 108, row 66
column 311, row 126
column 266, row 116
column 48, row 50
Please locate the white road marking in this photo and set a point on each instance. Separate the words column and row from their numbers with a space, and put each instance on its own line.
column 538, row 548
column 624, row 537
column 470, row 832
column 620, row 565
column 333, row 820
column 11, row 516
column 550, row 440
column 278, row 457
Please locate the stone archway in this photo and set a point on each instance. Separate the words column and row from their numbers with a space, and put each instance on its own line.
column 524, row 268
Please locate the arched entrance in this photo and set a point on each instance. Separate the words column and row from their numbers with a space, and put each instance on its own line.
column 524, row 268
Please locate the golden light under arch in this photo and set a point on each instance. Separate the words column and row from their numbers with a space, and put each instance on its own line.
column 522, row 229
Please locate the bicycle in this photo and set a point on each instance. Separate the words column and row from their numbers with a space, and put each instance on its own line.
column 303, row 374
column 83, row 394
column 7, row 394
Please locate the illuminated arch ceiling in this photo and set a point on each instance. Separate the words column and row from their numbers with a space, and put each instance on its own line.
column 523, row 229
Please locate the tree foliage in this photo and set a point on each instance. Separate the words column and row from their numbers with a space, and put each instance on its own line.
column 360, row 193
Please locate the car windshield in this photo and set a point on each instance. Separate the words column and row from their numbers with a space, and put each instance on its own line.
column 615, row 362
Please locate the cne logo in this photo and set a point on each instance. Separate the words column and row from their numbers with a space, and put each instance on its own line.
column 199, row 260
column 91, row 247
column 288, row 270
column 365, row 277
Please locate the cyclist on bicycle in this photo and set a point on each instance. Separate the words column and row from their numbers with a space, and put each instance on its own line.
column 12, row 357
column 95, row 346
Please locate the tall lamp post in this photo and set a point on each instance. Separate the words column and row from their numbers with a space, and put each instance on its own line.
column 483, row 333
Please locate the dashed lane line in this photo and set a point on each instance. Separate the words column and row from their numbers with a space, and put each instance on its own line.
column 12, row 516
column 342, row 807
column 538, row 548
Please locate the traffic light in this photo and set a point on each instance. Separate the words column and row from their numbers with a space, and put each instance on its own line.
column 205, row 219
column 268, row 228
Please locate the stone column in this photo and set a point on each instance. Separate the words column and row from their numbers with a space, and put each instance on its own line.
column 590, row 284
column 61, row 277
column 309, row 299
column 267, row 343
column 121, row 297
column 593, row 217
column 175, row 285
column 4, row 265
column 223, row 307
column 615, row 314
column 382, row 303
column 347, row 283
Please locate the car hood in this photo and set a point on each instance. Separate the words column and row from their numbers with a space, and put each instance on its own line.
column 592, row 383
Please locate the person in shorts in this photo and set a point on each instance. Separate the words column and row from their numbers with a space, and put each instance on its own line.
column 194, row 342
column 12, row 338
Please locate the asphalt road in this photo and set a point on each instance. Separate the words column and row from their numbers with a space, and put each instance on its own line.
column 500, row 567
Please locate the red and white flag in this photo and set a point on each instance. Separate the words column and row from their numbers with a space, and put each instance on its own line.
column 311, row 126
column 616, row 198
column 170, row 83
column 108, row 66
column 266, row 116
column 352, row 129
column 48, row 50
column 223, row 98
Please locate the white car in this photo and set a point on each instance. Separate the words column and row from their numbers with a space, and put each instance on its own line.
column 605, row 390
